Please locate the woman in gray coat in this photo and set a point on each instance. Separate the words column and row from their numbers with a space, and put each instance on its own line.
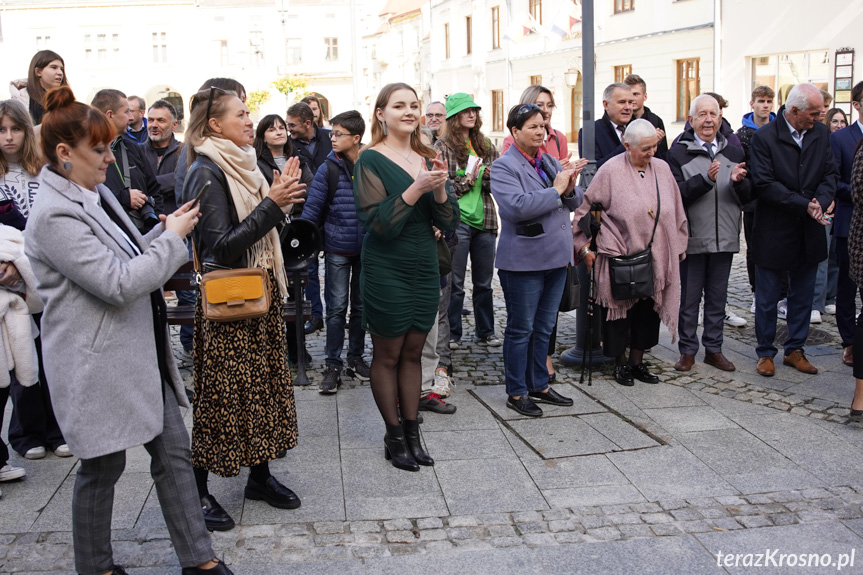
column 105, row 337
column 535, row 199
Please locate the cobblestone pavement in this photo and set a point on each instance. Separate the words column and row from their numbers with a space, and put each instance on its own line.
column 649, row 479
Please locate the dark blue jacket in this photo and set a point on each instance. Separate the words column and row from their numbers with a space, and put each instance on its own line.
column 343, row 232
column 844, row 142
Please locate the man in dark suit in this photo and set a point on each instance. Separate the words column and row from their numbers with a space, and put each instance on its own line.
column 618, row 102
column 312, row 143
column 794, row 178
column 844, row 142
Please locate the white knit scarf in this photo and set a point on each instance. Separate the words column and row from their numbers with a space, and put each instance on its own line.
column 248, row 189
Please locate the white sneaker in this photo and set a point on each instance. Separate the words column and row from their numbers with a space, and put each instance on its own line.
column 752, row 307
column 733, row 319
column 442, row 383
column 36, row 453
column 782, row 309
column 815, row 316
column 830, row 309
column 453, row 344
column 63, row 451
column 8, row 473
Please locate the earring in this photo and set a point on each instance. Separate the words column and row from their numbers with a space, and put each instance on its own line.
column 67, row 166
column 384, row 127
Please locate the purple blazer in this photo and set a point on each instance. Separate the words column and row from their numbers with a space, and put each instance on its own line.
column 523, row 198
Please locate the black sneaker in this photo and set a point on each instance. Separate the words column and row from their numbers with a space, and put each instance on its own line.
column 524, row 406
column 640, row 373
column 332, row 380
column 433, row 402
column 358, row 368
column 623, row 375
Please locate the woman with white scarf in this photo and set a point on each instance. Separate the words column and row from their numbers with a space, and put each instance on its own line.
column 244, row 412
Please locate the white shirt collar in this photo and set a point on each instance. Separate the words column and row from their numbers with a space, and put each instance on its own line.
column 702, row 142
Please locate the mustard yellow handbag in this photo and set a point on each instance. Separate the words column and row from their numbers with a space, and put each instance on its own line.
column 233, row 294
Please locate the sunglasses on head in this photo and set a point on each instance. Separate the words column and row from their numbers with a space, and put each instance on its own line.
column 213, row 89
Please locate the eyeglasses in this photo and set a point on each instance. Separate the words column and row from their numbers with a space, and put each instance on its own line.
column 334, row 135
column 210, row 98
column 435, row 115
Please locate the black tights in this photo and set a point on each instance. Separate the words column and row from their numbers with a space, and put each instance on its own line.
column 260, row 473
column 396, row 377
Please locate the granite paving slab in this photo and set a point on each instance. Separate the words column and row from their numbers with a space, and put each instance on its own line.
column 831, row 460
column 691, row 418
column 467, row 444
column 499, row 485
column 734, row 451
column 623, row 433
column 374, row 489
column 660, row 395
column 670, row 472
column 562, row 437
column 567, row 472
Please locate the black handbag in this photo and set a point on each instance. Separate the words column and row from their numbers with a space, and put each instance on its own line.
column 632, row 275
column 571, row 290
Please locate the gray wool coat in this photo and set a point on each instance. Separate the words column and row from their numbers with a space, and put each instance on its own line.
column 98, row 344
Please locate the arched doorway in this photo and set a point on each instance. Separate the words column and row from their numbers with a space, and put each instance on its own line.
column 172, row 97
column 575, row 110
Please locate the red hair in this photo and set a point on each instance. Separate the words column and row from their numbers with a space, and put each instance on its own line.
column 69, row 122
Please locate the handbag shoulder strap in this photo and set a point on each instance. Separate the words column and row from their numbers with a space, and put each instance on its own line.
column 658, row 207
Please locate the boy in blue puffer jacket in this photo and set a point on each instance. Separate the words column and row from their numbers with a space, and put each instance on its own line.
column 331, row 203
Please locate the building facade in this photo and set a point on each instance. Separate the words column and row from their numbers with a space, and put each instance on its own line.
column 165, row 48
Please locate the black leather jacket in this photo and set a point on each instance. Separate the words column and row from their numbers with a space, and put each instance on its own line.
column 220, row 237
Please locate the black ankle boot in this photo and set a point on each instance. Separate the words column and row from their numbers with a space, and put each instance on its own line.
column 412, row 439
column 396, row 449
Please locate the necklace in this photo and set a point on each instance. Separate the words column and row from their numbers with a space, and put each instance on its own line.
column 405, row 158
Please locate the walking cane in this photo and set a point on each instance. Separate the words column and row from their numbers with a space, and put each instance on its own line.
column 595, row 225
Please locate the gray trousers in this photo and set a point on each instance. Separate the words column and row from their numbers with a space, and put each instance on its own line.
column 707, row 274
column 436, row 351
column 171, row 468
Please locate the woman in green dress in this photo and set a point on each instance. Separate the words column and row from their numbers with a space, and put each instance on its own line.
column 400, row 190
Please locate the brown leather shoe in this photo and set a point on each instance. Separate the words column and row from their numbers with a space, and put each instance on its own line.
column 685, row 362
column 718, row 361
column 797, row 360
column 765, row 366
column 848, row 356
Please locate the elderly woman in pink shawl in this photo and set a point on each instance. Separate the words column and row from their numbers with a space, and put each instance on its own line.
column 627, row 187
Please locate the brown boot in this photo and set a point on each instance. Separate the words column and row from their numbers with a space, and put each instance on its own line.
column 765, row 366
column 718, row 361
column 685, row 362
column 848, row 356
column 797, row 360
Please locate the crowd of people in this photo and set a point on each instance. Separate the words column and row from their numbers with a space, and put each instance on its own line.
column 100, row 204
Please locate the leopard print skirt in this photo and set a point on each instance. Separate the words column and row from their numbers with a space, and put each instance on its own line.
column 244, row 411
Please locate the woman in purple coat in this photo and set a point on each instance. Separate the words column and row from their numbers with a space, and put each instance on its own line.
column 535, row 199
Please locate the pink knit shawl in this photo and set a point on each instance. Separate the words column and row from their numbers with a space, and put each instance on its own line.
column 629, row 203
